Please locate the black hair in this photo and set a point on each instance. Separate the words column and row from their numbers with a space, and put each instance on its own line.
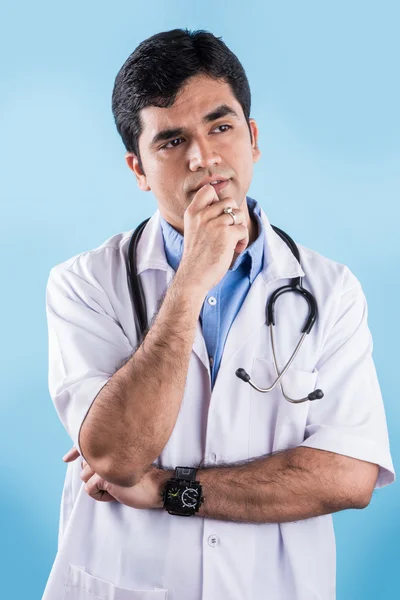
column 157, row 70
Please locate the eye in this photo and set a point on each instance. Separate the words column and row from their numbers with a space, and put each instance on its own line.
column 166, row 146
column 228, row 126
column 171, row 144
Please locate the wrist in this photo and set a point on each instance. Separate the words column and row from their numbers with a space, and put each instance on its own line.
column 188, row 287
column 161, row 476
column 183, row 496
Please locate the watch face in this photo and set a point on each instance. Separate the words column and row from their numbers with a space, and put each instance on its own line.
column 174, row 495
column 189, row 497
column 182, row 496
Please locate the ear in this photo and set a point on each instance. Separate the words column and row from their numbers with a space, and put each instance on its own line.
column 256, row 150
column 133, row 163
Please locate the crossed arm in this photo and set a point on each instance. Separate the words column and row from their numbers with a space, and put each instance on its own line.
column 290, row 485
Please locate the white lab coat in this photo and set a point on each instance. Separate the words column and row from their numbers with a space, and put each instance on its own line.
column 110, row 551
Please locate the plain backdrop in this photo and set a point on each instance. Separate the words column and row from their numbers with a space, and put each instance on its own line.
column 325, row 93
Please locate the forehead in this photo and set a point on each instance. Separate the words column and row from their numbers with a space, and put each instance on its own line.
column 199, row 96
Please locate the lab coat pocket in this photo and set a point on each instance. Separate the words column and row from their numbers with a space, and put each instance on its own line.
column 80, row 585
column 275, row 423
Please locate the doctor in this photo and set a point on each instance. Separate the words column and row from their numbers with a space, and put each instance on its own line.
column 269, row 473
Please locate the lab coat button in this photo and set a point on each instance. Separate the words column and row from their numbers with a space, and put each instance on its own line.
column 213, row 540
column 212, row 300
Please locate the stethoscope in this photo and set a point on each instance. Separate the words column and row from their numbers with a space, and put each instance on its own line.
column 140, row 312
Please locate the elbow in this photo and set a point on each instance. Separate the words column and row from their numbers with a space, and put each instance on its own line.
column 108, row 470
column 113, row 473
column 106, row 467
column 124, row 480
column 364, row 500
column 126, row 473
column 113, row 469
column 344, row 502
column 366, row 484
column 116, row 475
column 357, row 497
column 356, row 484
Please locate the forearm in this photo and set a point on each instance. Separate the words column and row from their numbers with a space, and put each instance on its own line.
column 133, row 416
column 291, row 485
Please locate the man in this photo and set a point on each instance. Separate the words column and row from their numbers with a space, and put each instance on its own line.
column 271, row 472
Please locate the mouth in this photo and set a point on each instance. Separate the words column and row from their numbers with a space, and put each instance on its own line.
column 218, row 185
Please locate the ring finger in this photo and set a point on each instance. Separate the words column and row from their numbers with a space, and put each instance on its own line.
column 226, row 218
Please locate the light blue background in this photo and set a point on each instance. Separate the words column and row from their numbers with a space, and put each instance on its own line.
column 325, row 86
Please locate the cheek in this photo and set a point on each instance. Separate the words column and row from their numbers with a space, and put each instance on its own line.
column 167, row 185
column 239, row 151
column 159, row 177
column 242, row 162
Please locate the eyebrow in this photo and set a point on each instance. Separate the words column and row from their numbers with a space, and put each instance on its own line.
column 221, row 111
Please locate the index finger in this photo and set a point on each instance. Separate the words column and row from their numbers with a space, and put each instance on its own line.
column 204, row 197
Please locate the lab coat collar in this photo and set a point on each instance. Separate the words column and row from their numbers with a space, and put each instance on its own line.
column 279, row 262
column 150, row 250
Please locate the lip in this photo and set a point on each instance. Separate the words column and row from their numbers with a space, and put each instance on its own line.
column 209, row 180
column 220, row 186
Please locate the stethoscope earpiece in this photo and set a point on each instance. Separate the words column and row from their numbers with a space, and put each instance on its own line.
column 242, row 374
column 316, row 395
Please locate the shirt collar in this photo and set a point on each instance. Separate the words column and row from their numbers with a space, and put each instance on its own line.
column 278, row 263
column 251, row 258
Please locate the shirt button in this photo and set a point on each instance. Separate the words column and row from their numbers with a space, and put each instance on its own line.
column 212, row 300
column 213, row 540
column 211, row 362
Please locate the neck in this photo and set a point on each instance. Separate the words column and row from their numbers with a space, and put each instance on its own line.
column 253, row 230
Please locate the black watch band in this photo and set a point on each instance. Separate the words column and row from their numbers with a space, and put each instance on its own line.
column 186, row 473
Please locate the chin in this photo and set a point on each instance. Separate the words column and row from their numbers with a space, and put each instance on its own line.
column 240, row 200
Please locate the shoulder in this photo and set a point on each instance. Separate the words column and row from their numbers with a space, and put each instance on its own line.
column 336, row 288
column 324, row 273
column 98, row 265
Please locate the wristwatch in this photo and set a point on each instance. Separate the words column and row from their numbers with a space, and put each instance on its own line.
column 182, row 494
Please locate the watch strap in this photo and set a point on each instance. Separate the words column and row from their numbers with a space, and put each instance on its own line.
column 185, row 473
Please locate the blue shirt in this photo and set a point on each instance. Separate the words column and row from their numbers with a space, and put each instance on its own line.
column 224, row 300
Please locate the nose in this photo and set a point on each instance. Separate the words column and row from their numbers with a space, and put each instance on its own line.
column 202, row 155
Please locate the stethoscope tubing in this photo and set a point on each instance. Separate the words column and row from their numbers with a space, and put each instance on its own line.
column 314, row 395
column 140, row 313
